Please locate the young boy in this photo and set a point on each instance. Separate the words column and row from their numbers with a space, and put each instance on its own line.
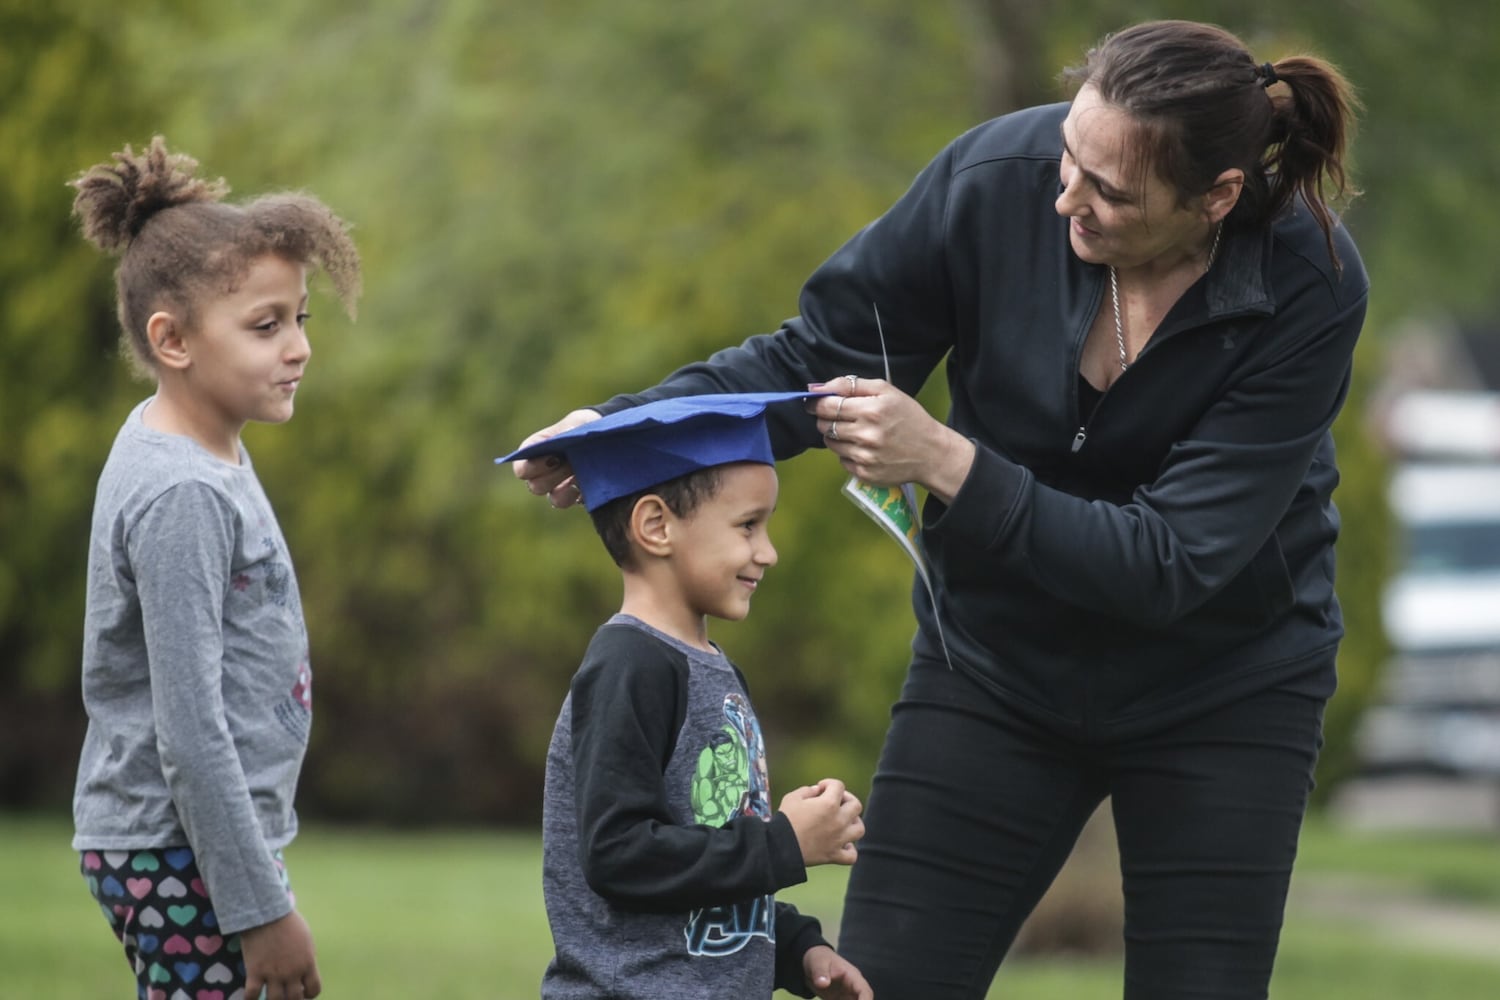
column 661, row 852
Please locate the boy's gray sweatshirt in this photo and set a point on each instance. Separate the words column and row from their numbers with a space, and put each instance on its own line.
column 661, row 851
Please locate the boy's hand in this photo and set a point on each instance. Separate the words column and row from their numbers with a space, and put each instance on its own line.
column 825, row 818
column 831, row 976
column 279, row 957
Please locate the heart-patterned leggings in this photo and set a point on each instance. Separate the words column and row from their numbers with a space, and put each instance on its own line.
column 157, row 906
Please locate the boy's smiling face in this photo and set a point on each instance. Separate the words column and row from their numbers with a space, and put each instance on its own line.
column 722, row 549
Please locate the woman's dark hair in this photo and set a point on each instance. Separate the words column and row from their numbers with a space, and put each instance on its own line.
column 682, row 496
column 1205, row 105
column 177, row 241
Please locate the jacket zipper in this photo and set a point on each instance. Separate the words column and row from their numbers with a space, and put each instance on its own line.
column 1082, row 434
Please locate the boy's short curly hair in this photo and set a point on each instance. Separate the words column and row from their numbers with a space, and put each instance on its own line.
column 682, row 495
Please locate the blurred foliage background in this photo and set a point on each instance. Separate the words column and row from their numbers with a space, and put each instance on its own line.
column 556, row 203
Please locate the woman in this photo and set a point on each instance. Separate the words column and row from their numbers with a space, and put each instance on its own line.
column 1148, row 314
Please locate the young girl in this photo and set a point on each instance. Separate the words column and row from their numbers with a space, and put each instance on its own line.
column 195, row 656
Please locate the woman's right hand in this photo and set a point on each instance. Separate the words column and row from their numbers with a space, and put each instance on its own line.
column 883, row 436
column 550, row 475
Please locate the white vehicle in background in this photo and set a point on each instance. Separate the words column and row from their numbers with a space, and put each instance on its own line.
column 1445, row 595
column 1429, row 747
column 1439, row 710
column 1444, row 425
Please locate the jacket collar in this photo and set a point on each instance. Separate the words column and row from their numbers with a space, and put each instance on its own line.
column 1240, row 281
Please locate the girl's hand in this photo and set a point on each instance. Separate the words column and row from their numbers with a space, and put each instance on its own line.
column 279, row 958
column 885, row 438
column 550, row 475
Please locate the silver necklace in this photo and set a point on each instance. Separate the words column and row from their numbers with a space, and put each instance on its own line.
column 1114, row 295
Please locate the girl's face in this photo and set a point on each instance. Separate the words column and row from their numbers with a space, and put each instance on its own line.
column 1119, row 217
column 723, row 548
column 249, row 348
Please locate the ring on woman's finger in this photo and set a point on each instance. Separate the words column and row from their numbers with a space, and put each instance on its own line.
column 838, row 412
column 833, row 430
column 853, row 383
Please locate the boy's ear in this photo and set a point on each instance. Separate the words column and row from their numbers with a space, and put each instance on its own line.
column 650, row 526
column 165, row 335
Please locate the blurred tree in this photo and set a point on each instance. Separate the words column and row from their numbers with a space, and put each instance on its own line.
column 1365, row 556
column 549, row 211
column 553, row 208
column 70, row 99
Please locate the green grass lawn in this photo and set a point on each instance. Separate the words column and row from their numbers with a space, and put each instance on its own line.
column 1458, row 866
column 460, row 916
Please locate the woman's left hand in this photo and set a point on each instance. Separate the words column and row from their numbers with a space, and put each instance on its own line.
column 884, row 437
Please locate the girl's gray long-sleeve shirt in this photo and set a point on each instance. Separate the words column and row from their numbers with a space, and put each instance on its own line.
column 195, row 671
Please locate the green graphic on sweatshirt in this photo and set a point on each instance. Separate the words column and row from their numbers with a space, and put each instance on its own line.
column 722, row 779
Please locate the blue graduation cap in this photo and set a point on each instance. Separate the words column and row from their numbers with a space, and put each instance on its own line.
column 643, row 446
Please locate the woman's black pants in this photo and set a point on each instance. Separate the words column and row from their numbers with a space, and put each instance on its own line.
column 974, row 808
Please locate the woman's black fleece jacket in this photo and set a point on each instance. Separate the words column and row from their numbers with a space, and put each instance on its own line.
column 1106, row 574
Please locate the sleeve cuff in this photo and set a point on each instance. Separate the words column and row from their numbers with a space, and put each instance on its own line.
column 796, row 934
column 787, row 867
column 985, row 505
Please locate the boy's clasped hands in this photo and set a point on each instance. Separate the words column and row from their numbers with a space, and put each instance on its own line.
column 826, row 819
